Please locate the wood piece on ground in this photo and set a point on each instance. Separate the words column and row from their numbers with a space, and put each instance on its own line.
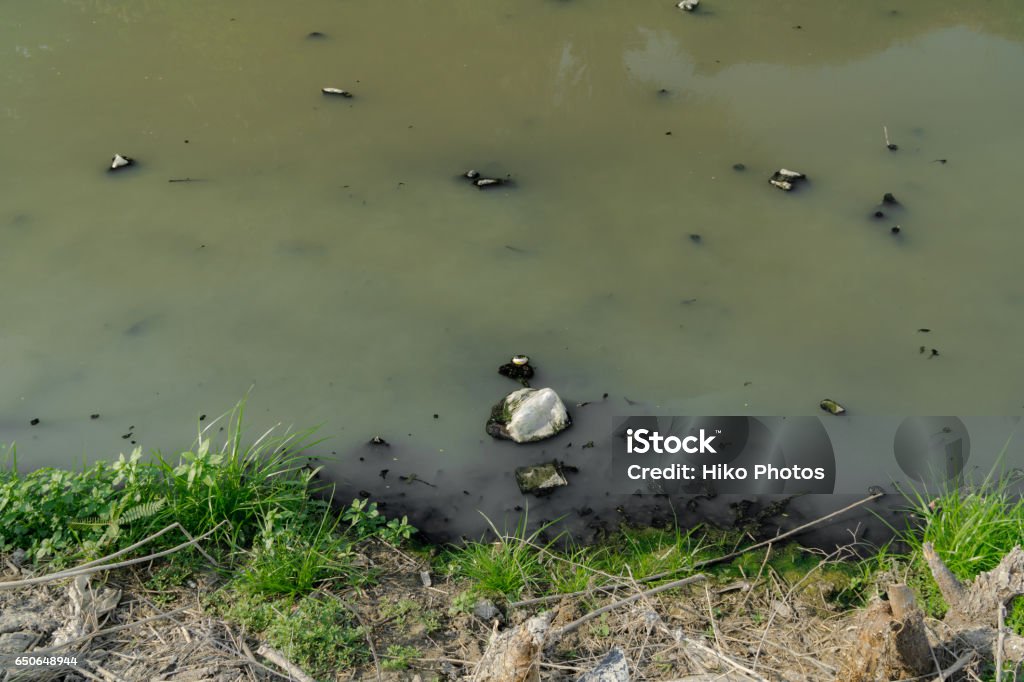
column 279, row 659
column 514, row 655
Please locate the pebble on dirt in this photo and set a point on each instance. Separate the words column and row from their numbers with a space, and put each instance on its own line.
column 786, row 179
column 119, row 161
column 613, row 668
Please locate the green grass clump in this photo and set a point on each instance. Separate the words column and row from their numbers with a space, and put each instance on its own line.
column 399, row 657
column 506, row 567
column 316, row 631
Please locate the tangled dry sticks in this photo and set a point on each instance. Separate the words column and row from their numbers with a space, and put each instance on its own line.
column 761, row 627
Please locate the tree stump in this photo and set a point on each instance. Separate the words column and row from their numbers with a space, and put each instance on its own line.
column 974, row 608
column 891, row 642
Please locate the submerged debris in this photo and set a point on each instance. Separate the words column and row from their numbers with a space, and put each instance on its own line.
column 832, row 406
column 337, row 92
column 785, row 179
column 119, row 161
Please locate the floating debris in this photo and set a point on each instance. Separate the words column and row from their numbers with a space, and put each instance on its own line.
column 785, row 179
column 924, row 330
column 933, row 354
column 519, row 369
column 337, row 92
column 119, row 161
column 831, row 406
column 889, row 198
column 888, row 143
column 895, row 229
column 688, row 5
column 315, row 35
column 377, row 440
column 488, row 182
column 34, row 422
column 481, row 181
column 942, row 161
column 94, row 416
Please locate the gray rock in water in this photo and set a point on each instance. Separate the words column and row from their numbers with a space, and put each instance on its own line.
column 540, row 479
column 613, row 668
column 528, row 415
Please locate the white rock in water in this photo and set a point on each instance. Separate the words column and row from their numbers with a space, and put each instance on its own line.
column 120, row 162
column 336, row 91
column 688, row 5
column 532, row 414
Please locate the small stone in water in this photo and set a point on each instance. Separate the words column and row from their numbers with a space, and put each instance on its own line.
column 895, row 229
column 472, row 174
column 739, row 167
column 377, row 440
column 688, row 5
column 336, row 91
column 488, row 182
column 889, row 198
column 34, row 422
column 878, row 214
column 94, row 416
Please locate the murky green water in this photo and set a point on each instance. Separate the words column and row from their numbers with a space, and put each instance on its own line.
column 331, row 259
